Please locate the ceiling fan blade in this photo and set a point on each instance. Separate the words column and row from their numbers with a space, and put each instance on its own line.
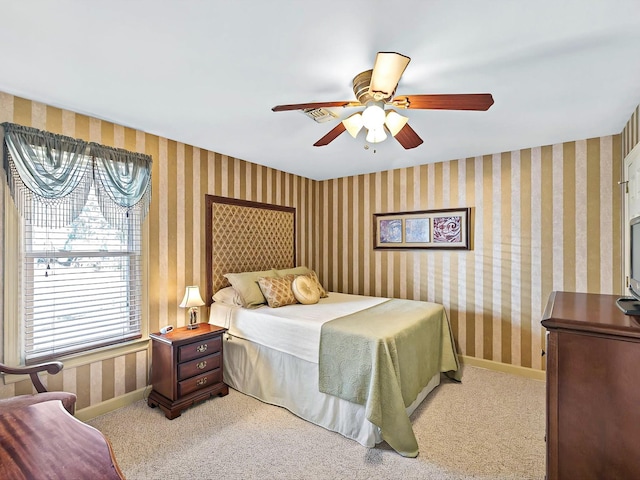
column 463, row 101
column 331, row 136
column 387, row 70
column 304, row 106
column 408, row 137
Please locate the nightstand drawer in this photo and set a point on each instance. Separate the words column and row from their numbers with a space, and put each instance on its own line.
column 201, row 381
column 199, row 365
column 199, row 349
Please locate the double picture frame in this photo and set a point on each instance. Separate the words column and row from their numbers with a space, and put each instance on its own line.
column 425, row 229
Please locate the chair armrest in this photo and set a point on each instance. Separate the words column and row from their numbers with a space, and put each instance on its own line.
column 32, row 371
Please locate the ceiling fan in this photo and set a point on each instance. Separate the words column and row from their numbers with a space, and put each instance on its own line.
column 375, row 89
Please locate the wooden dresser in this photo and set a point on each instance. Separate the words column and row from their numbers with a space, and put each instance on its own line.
column 186, row 367
column 593, row 388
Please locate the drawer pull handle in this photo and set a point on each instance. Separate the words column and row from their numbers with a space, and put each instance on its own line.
column 202, row 364
column 202, row 381
column 202, row 348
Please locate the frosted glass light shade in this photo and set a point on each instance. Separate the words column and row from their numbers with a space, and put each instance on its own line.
column 353, row 124
column 373, row 117
column 376, row 135
column 395, row 122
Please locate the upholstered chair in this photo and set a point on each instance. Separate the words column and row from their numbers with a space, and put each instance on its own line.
column 68, row 399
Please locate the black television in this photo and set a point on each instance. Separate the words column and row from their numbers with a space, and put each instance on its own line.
column 631, row 305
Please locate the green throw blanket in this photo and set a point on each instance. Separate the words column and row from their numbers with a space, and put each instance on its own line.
column 383, row 357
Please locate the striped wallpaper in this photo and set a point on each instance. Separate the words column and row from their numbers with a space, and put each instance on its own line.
column 542, row 218
column 182, row 175
column 631, row 132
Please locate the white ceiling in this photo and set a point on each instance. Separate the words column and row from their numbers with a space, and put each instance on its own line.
column 207, row 73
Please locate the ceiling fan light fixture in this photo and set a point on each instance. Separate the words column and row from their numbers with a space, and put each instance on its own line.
column 374, row 89
column 373, row 117
column 376, row 135
column 353, row 124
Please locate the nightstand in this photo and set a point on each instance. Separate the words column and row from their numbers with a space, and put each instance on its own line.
column 186, row 367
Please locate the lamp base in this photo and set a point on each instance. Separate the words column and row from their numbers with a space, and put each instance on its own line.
column 193, row 318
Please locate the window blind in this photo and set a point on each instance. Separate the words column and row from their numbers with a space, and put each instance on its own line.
column 82, row 284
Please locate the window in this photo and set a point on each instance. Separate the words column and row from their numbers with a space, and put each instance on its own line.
column 82, row 284
column 74, row 280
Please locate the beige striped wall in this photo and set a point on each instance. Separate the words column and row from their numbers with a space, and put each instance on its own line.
column 182, row 175
column 543, row 219
column 533, row 228
column 631, row 132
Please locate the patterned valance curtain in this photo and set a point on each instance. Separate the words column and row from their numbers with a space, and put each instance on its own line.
column 123, row 182
column 58, row 173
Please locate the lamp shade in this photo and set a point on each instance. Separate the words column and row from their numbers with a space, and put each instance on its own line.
column 376, row 135
column 373, row 117
column 395, row 122
column 353, row 124
column 192, row 297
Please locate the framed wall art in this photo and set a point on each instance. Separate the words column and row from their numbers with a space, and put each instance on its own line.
column 439, row 229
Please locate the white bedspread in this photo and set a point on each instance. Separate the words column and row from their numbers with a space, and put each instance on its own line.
column 301, row 322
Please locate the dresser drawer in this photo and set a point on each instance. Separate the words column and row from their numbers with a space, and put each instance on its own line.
column 201, row 381
column 199, row 349
column 199, row 365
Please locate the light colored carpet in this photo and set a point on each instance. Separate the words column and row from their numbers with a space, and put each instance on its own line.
column 491, row 426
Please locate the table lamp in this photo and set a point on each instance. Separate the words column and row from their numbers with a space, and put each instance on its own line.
column 192, row 300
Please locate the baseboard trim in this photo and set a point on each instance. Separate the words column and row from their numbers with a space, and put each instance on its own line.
column 503, row 367
column 110, row 405
column 127, row 399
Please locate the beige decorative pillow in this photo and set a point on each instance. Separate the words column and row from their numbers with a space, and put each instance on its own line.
column 277, row 290
column 305, row 290
column 312, row 275
column 246, row 284
column 304, row 271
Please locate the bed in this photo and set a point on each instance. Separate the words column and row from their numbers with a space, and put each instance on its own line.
column 340, row 362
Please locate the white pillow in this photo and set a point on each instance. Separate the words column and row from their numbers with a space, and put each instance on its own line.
column 305, row 290
column 228, row 296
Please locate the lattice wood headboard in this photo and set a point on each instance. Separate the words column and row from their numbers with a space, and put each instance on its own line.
column 245, row 236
